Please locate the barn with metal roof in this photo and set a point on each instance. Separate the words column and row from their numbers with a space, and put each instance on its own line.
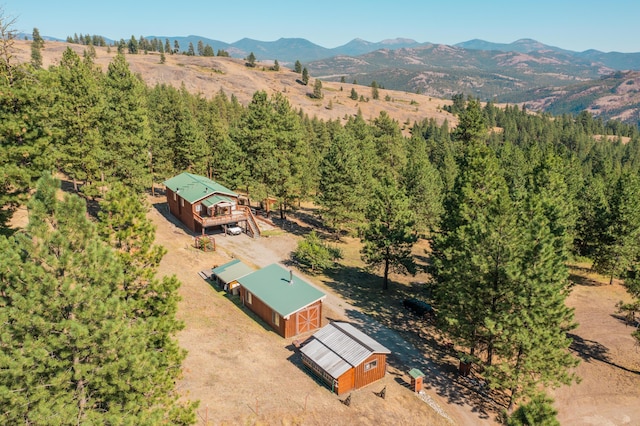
column 344, row 357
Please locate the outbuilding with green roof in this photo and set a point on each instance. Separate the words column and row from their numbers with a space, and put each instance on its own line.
column 285, row 301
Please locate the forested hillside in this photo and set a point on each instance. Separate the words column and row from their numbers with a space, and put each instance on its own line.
column 506, row 197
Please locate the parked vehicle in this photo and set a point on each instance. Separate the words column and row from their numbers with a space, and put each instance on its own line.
column 234, row 230
column 418, row 307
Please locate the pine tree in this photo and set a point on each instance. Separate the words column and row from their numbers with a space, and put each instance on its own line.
column 317, row 89
column 37, row 45
column 78, row 356
column 531, row 337
column 167, row 47
column 424, row 187
column 620, row 247
column 251, row 60
column 276, row 65
column 200, row 48
column 125, row 129
column 341, row 182
column 256, row 135
column 133, row 45
column 26, row 145
column 190, row 50
column 305, row 76
column 354, row 94
column 375, row 94
column 208, row 51
column 474, row 257
column 389, row 235
column 297, row 67
column 79, row 112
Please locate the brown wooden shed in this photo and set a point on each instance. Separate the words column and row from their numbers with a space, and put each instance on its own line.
column 344, row 358
column 282, row 299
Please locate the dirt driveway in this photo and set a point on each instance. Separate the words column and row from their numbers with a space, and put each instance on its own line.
column 243, row 373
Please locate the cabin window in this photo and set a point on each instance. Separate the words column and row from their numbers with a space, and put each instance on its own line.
column 198, row 207
column 275, row 319
column 248, row 298
column 371, row 365
column 175, row 197
column 181, row 202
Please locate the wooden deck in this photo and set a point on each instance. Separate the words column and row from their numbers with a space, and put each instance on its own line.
column 242, row 214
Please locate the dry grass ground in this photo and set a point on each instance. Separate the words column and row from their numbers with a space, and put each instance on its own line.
column 243, row 373
column 210, row 75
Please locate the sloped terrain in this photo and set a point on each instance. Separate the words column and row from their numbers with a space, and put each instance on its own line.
column 209, row 75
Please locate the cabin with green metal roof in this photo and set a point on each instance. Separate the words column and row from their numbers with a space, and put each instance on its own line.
column 282, row 299
column 202, row 204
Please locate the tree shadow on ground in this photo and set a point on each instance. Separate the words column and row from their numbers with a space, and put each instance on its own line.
column 291, row 226
column 584, row 281
column 590, row 350
column 417, row 342
column 435, row 360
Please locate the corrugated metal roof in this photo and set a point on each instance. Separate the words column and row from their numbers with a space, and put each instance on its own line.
column 339, row 346
column 231, row 271
column 271, row 285
column 193, row 187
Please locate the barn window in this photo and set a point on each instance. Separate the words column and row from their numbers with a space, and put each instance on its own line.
column 198, row 207
column 248, row 298
column 371, row 365
column 175, row 196
column 275, row 318
column 181, row 202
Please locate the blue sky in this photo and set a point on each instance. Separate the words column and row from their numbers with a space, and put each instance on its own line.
column 575, row 25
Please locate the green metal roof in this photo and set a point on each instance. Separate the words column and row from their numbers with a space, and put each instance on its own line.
column 415, row 373
column 193, row 187
column 271, row 285
column 212, row 201
column 231, row 271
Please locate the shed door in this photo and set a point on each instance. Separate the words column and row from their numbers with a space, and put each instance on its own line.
column 308, row 319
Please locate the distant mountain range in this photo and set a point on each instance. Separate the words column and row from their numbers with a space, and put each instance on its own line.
column 525, row 71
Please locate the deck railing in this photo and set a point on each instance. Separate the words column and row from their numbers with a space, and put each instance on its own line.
column 243, row 213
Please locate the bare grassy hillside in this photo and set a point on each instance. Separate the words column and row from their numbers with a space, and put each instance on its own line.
column 209, row 75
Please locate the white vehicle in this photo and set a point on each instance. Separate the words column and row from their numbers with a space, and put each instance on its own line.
column 234, row 230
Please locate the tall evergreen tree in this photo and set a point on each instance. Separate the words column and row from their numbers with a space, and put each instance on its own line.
column 190, row 50
column 208, row 51
column 621, row 245
column 375, row 93
column 389, row 235
column 79, row 356
column 26, row 132
column 251, row 60
column 305, row 76
column 474, row 256
column 125, row 127
column 424, row 187
column 133, row 45
column 531, row 336
column 341, row 184
column 37, row 44
column 297, row 67
column 317, row 89
column 79, row 112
